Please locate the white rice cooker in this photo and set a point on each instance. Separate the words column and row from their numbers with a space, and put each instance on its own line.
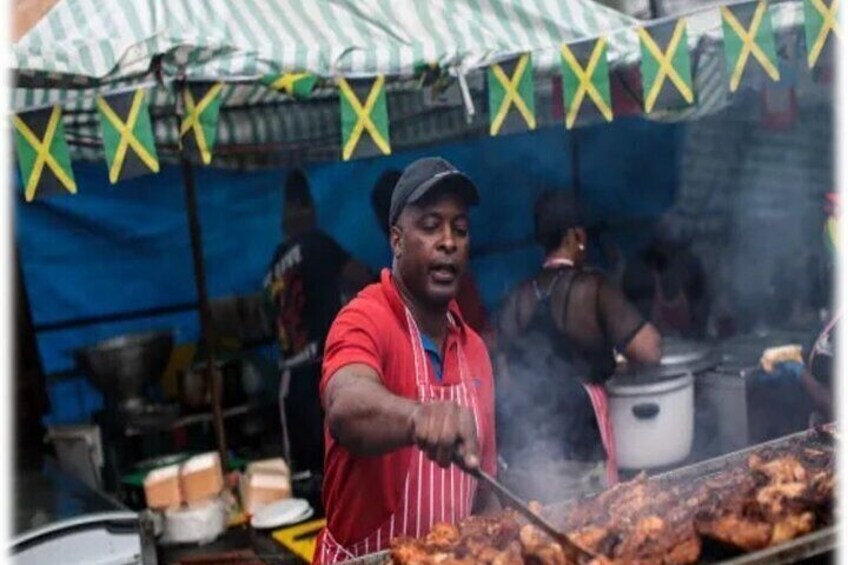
column 652, row 409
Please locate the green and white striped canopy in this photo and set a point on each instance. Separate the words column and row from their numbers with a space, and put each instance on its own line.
column 82, row 48
column 227, row 40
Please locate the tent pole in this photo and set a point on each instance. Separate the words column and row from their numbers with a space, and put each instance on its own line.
column 575, row 165
column 207, row 330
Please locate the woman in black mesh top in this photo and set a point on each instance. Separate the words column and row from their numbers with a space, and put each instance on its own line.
column 558, row 334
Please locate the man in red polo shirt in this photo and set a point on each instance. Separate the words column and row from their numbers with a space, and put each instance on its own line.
column 406, row 383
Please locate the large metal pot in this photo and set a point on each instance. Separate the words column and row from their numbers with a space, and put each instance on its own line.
column 653, row 409
column 121, row 367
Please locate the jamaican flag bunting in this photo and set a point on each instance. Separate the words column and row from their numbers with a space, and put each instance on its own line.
column 42, row 150
column 296, row 85
column 820, row 24
column 511, row 96
column 585, row 82
column 666, row 71
column 127, row 136
column 365, row 118
column 749, row 44
column 199, row 125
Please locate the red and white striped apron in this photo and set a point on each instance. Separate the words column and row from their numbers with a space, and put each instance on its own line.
column 431, row 494
column 600, row 405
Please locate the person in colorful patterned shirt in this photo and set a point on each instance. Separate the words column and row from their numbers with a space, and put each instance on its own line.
column 305, row 282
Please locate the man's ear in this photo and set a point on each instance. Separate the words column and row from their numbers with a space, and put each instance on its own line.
column 395, row 241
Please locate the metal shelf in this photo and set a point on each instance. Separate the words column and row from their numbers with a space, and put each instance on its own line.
column 198, row 418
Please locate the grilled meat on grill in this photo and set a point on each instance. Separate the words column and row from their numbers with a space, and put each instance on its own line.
column 778, row 494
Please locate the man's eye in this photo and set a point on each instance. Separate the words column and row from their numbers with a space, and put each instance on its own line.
column 430, row 224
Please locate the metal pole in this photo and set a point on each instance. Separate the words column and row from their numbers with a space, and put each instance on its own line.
column 207, row 329
column 575, row 165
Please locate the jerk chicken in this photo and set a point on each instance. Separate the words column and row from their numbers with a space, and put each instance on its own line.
column 776, row 495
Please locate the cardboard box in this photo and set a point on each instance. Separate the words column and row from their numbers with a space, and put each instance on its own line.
column 276, row 465
column 259, row 488
column 201, row 478
column 162, row 488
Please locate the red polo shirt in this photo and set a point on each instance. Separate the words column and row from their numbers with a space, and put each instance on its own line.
column 361, row 493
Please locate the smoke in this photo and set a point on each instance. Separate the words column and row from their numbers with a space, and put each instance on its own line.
column 755, row 195
column 753, row 198
column 543, row 419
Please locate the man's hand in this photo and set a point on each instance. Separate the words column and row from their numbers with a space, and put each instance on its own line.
column 447, row 433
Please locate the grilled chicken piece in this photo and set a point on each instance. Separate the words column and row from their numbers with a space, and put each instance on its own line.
column 509, row 556
column 658, row 540
column 688, row 550
column 532, row 537
column 594, row 538
column 792, row 526
column 781, row 470
column 472, row 546
column 736, row 531
column 498, row 530
column 550, row 554
column 487, row 555
column 537, row 548
column 407, row 551
column 443, row 537
column 773, row 498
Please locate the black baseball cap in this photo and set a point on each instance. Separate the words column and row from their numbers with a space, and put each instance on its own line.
column 424, row 176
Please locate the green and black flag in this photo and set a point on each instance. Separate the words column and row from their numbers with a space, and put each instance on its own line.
column 749, row 44
column 666, row 69
column 127, row 136
column 585, row 82
column 364, row 111
column 512, row 105
column 199, row 125
column 820, row 25
column 42, row 151
column 297, row 85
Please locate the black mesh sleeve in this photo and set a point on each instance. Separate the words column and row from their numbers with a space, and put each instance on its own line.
column 618, row 318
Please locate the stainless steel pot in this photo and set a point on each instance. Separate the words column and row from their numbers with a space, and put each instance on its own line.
column 652, row 408
column 122, row 366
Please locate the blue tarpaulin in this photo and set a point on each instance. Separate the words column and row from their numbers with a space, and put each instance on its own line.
column 123, row 248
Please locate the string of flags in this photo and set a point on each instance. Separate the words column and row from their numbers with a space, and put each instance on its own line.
column 665, row 69
column 511, row 96
column 365, row 118
column 128, row 140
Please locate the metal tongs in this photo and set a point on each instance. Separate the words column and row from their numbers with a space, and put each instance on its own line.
column 572, row 550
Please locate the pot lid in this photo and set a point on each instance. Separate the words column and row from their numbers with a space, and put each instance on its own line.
column 682, row 352
column 679, row 358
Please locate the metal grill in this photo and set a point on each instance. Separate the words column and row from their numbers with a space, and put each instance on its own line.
column 819, row 542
